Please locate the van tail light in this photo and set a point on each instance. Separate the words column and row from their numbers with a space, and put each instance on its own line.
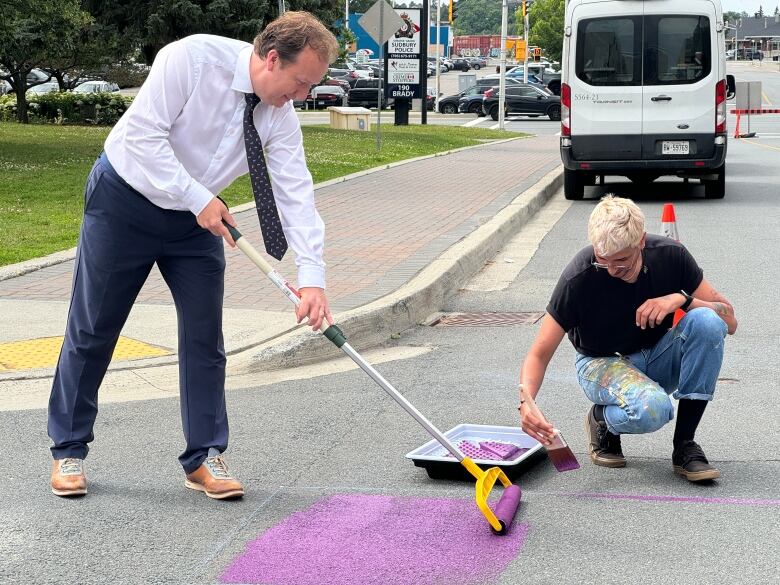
column 489, row 93
column 566, row 109
column 720, row 107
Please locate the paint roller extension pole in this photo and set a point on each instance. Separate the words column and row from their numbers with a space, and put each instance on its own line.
column 336, row 336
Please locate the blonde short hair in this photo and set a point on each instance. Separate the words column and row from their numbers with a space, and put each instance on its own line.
column 292, row 32
column 614, row 225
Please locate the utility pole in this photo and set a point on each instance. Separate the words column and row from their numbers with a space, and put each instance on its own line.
column 502, row 81
column 525, row 36
column 438, row 54
column 281, row 7
column 346, row 14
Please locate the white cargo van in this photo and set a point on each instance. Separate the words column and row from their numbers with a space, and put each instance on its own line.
column 644, row 92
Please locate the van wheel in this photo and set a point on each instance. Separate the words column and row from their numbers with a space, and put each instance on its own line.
column 554, row 112
column 494, row 113
column 716, row 189
column 573, row 185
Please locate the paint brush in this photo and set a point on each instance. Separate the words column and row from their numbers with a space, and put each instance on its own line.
column 560, row 454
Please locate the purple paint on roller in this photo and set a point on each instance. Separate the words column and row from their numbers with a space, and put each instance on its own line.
column 358, row 540
column 506, row 508
column 684, row 499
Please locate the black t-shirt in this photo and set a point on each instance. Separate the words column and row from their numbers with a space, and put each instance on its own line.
column 598, row 311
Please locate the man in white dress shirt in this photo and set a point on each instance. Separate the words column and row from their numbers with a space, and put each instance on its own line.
column 152, row 198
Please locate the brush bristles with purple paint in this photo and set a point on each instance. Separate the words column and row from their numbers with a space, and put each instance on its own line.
column 560, row 454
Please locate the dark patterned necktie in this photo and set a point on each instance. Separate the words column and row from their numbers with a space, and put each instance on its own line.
column 270, row 224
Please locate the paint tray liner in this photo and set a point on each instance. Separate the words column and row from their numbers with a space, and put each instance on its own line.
column 507, row 448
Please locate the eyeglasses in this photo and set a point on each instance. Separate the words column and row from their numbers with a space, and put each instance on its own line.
column 613, row 266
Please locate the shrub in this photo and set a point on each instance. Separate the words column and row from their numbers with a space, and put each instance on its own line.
column 69, row 108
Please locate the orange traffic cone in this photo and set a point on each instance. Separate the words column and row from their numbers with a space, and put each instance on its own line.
column 669, row 229
column 669, row 222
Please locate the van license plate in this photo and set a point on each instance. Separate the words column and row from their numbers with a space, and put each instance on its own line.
column 675, row 147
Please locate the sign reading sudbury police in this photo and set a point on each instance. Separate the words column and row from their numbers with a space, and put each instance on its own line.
column 402, row 62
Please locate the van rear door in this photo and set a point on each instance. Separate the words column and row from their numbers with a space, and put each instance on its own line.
column 680, row 75
column 605, row 77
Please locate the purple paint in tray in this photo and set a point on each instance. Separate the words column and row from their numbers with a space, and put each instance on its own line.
column 382, row 540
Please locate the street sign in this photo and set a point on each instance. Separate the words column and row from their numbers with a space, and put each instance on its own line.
column 361, row 56
column 402, row 64
column 384, row 15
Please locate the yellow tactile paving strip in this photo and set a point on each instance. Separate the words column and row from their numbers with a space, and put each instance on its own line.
column 43, row 352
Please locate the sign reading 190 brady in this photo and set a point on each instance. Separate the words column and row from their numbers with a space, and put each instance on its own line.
column 402, row 59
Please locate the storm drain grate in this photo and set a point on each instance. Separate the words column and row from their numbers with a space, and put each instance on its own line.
column 488, row 319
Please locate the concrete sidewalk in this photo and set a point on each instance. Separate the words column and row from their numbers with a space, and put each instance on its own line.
column 398, row 241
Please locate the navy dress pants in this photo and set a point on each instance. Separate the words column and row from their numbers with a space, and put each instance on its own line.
column 122, row 235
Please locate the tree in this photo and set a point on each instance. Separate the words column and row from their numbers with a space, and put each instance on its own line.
column 482, row 17
column 35, row 33
column 151, row 24
column 546, row 19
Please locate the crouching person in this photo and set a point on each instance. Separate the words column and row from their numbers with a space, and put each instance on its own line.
column 616, row 300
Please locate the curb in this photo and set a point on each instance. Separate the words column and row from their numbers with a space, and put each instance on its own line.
column 411, row 304
column 34, row 264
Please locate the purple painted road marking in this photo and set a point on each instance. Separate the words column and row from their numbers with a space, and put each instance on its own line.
column 360, row 539
column 686, row 499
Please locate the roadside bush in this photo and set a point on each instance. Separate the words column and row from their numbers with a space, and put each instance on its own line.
column 102, row 109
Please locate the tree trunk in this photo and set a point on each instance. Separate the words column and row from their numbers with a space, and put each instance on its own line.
column 20, row 86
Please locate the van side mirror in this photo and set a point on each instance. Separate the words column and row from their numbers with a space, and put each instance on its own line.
column 731, row 87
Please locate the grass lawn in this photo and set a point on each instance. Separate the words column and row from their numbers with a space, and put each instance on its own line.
column 43, row 170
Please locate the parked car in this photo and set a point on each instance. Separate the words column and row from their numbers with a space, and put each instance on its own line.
column 347, row 75
column 460, row 64
column 430, row 102
column 46, row 87
column 514, row 79
column 526, row 99
column 750, row 54
column 471, row 104
column 477, row 63
column 365, row 93
column 5, row 87
column 342, row 83
column 323, row 96
column 96, row 86
column 451, row 104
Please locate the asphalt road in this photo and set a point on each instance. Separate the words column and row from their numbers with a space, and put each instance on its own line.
column 337, row 443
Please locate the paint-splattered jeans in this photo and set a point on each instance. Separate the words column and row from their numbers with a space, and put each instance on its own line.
column 635, row 388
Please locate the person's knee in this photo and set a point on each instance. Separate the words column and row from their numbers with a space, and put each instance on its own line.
column 651, row 411
column 705, row 324
column 659, row 411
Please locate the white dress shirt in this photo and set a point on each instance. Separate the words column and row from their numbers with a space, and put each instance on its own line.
column 181, row 141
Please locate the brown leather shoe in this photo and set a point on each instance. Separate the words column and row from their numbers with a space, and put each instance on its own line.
column 213, row 478
column 67, row 477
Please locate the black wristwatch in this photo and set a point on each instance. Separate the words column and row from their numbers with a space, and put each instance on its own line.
column 688, row 300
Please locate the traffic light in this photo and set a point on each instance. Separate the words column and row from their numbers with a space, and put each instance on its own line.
column 525, row 9
column 452, row 11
